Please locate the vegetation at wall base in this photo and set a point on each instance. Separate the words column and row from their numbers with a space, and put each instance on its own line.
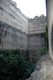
column 14, row 66
column 43, row 51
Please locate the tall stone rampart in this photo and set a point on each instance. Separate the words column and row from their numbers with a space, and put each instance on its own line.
column 18, row 31
column 14, row 26
column 11, row 15
column 37, row 24
column 36, row 35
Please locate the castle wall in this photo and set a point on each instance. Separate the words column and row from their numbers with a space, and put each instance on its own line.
column 11, row 15
column 37, row 24
column 17, row 31
column 36, row 38
column 14, row 26
column 12, row 38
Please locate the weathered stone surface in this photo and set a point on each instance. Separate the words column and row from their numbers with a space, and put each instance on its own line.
column 14, row 26
column 35, row 43
column 44, row 69
column 11, row 15
column 37, row 24
column 18, row 31
column 36, row 28
column 13, row 38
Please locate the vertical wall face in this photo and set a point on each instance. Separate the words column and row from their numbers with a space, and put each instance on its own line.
column 37, row 24
column 19, row 32
column 12, row 38
column 49, row 5
column 11, row 15
column 35, row 44
column 14, row 26
column 36, row 38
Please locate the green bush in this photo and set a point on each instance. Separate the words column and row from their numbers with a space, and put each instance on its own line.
column 13, row 66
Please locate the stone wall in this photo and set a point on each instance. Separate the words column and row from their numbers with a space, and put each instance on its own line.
column 36, row 36
column 14, row 26
column 37, row 24
column 12, row 38
column 36, row 43
column 17, row 31
column 11, row 15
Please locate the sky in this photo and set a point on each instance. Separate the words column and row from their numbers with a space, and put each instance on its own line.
column 31, row 8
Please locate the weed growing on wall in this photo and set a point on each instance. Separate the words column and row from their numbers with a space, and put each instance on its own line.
column 46, row 37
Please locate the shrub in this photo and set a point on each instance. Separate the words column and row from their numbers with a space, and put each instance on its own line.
column 14, row 66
